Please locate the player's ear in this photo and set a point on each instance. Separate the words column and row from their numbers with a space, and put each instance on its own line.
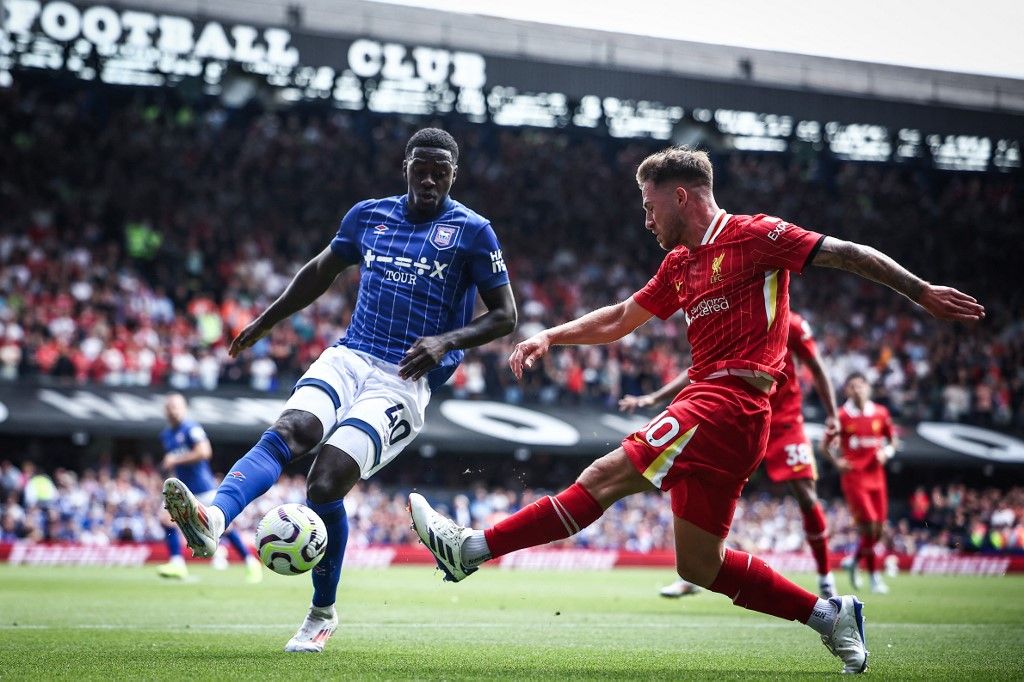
column 682, row 196
column 405, row 168
column 455, row 172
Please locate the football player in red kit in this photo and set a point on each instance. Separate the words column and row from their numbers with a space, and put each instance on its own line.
column 790, row 457
column 867, row 440
column 729, row 275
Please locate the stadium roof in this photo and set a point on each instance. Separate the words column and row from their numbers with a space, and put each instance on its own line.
column 513, row 38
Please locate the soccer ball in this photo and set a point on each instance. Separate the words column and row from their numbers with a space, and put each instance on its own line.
column 291, row 539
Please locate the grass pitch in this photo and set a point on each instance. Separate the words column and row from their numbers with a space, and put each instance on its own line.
column 401, row 623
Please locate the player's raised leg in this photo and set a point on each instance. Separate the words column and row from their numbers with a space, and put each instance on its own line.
column 459, row 551
column 308, row 414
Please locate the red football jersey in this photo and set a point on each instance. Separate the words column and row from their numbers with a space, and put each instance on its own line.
column 787, row 400
column 734, row 292
column 862, row 434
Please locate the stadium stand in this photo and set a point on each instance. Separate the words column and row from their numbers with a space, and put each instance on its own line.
column 142, row 231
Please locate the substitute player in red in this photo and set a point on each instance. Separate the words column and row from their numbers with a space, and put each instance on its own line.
column 729, row 274
column 867, row 441
column 789, row 457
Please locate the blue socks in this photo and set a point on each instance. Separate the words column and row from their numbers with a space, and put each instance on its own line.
column 173, row 541
column 235, row 539
column 252, row 475
column 327, row 573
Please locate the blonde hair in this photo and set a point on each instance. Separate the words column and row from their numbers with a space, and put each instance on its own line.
column 679, row 163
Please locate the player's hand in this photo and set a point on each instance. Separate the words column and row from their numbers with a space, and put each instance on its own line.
column 422, row 356
column 885, row 453
column 830, row 440
column 253, row 332
column 629, row 403
column 167, row 463
column 842, row 464
column 946, row 303
column 527, row 352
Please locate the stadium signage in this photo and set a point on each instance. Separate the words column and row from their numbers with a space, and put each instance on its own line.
column 452, row 426
column 130, row 32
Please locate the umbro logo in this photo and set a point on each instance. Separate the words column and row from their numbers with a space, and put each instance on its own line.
column 380, row 229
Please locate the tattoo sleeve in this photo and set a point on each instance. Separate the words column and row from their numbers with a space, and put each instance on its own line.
column 870, row 263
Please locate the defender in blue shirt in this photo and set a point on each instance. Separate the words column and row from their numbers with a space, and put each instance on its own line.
column 187, row 453
column 423, row 258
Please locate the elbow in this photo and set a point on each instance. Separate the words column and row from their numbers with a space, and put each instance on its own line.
column 507, row 321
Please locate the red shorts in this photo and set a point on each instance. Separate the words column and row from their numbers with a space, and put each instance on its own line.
column 703, row 449
column 868, row 503
column 789, row 456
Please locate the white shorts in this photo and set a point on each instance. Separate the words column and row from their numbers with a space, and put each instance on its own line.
column 368, row 395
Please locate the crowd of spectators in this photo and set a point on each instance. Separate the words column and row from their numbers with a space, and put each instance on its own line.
column 140, row 233
column 110, row 504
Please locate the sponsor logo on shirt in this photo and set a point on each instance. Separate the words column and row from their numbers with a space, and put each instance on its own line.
column 497, row 262
column 778, row 230
column 858, row 442
column 408, row 270
column 716, row 268
column 708, row 306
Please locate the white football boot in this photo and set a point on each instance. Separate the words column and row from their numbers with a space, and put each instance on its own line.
column 848, row 641
column 202, row 529
column 827, row 585
column 442, row 536
column 679, row 588
column 316, row 629
column 878, row 585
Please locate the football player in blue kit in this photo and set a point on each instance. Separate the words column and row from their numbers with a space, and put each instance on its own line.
column 422, row 257
column 187, row 453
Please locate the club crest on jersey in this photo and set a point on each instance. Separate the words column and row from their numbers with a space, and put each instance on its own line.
column 716, row 268
column 443, row 236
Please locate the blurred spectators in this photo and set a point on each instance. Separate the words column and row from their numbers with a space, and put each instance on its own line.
column 109, row 504
column 140, row 233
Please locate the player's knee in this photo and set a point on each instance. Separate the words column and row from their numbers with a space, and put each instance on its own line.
column 302, row 431
column 805, row 496
column 611, row 478
column 322, row 489
column 698, row 567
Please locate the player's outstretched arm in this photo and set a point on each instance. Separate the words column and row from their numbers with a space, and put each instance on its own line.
column 313, row 279
column 499, row 320
column 629, row 403
column 944, row 303
column 603, row 325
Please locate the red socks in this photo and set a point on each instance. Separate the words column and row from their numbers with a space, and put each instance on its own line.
column 546, row 520
column 866, row 551
column 816, row 528
column 752, row 584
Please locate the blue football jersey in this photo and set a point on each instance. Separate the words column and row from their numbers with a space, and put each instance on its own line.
column 182, row 438
column 416, row 279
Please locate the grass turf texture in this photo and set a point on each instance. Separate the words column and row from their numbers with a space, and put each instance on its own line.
column 70, row 622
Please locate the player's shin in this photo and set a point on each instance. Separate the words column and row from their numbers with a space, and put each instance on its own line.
column 252, row 475
column 327, row 574
column 816, row 528
column 546, row 520
column 754, row 585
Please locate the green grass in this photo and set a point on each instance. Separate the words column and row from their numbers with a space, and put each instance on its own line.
column 404, row 623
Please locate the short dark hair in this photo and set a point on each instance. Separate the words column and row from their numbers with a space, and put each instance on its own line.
column 855, row 375
column 433, row 137
column 679, row 163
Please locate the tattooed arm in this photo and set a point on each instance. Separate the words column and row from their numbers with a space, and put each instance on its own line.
column 944, row 303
